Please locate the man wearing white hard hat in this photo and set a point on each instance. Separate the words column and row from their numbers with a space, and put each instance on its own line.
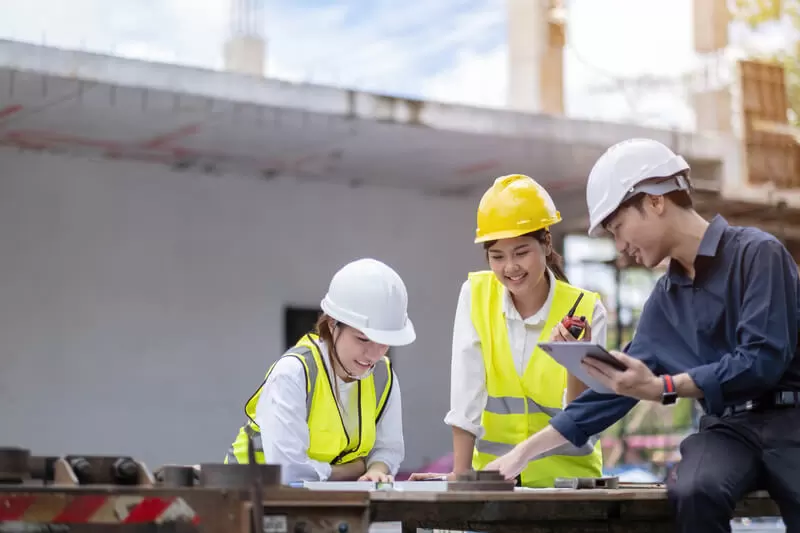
column 330, row 407
column 721, row 326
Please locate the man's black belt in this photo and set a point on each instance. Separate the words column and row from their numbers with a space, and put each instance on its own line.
column 771, row 401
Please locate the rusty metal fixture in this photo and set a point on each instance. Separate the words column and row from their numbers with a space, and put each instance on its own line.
column 125, row 471
column 82, row 469
column 480, row 475
column 176, row 476
column 611, row 482
column 482, row 480
column 42, row 467
column 14, row 465
column 257, row 495
column 238, row 476
column 100, row 470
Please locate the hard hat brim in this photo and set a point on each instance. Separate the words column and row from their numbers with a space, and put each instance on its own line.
column 397, row 337
column 597, row 230
column 509, row 233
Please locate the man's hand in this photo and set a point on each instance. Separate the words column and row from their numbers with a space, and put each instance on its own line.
column 562, row 334
column 424, row 476
column 636, row 382
column 511, row 464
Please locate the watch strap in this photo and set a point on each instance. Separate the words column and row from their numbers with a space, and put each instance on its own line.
column 669, row 395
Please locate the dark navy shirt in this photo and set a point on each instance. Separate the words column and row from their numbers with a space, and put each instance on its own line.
column 734, row 329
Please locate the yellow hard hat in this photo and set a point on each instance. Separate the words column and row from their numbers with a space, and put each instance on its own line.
column 514, row 205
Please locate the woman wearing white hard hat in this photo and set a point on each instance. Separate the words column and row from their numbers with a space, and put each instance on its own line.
column 330, row 407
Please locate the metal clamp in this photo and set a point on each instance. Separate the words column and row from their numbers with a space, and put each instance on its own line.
column 610, row 482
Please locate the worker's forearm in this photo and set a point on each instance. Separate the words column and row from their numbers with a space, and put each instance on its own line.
column 348, row 471
column 541, row 442
column 379, row 466
column 463, row 446
column 575, row 388
column 685, row 387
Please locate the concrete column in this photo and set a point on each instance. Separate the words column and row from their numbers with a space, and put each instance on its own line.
column 535, row 57
column 245, row 49
column 245, row 55
column 713, row 107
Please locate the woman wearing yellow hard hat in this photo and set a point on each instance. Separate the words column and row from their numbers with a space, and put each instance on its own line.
column 504, row 388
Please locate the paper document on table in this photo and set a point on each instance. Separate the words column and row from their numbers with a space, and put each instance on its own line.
column 370, row 486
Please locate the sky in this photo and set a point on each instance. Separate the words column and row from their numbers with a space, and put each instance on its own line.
column 444, row 50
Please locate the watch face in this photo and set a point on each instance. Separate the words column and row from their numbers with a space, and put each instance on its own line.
column 668, row 398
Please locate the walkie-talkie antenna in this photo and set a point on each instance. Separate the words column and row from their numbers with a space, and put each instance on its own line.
column 575, row 305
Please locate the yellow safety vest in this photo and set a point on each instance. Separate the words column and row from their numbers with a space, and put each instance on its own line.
column 329, row 440
column 519, row 407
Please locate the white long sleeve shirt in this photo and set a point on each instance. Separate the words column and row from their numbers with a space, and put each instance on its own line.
column 468, row 393
column 281, row 414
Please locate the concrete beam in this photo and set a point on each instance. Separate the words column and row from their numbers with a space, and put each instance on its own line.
column 535, row 57
column 351, row 104
column 245, row 55
column 713, row 108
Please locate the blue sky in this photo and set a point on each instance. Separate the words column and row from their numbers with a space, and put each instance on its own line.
column 446, row 50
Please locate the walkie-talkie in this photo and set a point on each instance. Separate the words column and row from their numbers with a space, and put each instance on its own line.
column 575, row 325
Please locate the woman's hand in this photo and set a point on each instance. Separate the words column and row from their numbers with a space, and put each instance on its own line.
column 562, row 334
column 377, row 472
column 376, row 475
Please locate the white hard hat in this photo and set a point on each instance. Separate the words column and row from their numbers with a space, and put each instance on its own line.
column 371, row 297
column 628, row 168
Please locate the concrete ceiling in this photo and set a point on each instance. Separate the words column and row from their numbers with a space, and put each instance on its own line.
column 44, row 112
column 82, row 103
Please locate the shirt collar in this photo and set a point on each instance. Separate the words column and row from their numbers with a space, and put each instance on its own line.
column 511, row 312
column 709, row 245
column 712, row 237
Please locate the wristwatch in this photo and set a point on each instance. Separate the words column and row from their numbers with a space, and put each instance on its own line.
column 669, row 396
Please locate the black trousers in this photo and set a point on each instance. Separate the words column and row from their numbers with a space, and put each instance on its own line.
column 730, row 457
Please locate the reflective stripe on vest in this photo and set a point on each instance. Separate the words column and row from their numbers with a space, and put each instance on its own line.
column 510, row 405
column 518, row 407
column 307, row 351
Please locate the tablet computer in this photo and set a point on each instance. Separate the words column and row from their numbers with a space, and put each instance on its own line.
column 570, row 354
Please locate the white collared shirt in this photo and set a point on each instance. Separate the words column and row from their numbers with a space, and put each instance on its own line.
column 468, row 393
column 281, row 414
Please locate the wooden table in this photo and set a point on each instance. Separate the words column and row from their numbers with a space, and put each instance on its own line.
column 540, row 511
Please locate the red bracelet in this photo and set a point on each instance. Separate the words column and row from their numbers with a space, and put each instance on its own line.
column 670, row 386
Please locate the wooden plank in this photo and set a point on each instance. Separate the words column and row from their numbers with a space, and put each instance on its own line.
column 547, row 510
column 772, row 156
column 542, row 495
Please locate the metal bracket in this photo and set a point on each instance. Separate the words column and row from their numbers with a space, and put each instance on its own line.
column 611, row 482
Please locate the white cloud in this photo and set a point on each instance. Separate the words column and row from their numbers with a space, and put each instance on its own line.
column 390, row 52
column 475, row 79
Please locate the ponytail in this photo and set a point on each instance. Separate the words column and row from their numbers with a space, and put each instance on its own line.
column 556, row 265
column 323, row 329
